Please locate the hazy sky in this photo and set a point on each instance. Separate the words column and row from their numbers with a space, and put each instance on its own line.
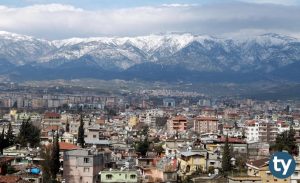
column 56, row 19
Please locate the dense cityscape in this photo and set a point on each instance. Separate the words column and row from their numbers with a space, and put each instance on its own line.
column 143, row 136
column 149, row 91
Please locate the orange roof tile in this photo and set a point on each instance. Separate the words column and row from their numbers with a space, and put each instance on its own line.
column 179, row 118
column 67, row 146
column 51, row 115
column 9, row 179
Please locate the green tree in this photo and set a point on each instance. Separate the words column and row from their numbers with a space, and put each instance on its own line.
column 142, row 146
column 10, row 137
column 55, row 163
column 3, row 141
column 67, row 126
column 286, row 141
column 292, row 141
column 241, row 163
column 187, row 179
column 29, row 134
column 159, row 148
column 80, row 138
column 3, row 167
column 46, row 156
column 211, row 170
column 226, row 158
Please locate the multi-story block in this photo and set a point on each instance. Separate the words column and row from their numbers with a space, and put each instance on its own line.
column 204, row 124
column 262, row 131
column 177, row 124
column 84, row 165
column 51, row 119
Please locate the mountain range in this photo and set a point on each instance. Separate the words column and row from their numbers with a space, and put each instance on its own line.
column 161, row 57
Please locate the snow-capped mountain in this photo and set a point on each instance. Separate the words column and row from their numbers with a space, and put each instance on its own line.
column 195, row 54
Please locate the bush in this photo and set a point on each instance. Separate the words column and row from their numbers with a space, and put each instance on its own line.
column 211, row 170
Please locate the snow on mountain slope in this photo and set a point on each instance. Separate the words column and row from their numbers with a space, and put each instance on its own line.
column 195, row 52
column 20, row 50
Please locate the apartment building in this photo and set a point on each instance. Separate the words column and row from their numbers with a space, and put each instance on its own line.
column 262, row 131
column 84, row 165
column 206, row 124
column 177, row 124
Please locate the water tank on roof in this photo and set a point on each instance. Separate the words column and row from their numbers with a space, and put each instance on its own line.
column 35, row 171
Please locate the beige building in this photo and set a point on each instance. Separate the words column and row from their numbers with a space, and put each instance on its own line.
column 260, row 168
column 51, row 119
column 206, row 124
column 177, row 124
column 83, row 166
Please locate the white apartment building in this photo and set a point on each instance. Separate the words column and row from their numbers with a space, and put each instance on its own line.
column 149, row 116
column 263, row 131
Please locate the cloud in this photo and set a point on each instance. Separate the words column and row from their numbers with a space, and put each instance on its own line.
column 179, row 5
column 56, row 21
column 279, row 2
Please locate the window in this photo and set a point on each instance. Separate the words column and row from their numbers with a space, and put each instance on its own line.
column 85, row 169
column 132, row 176
column 86, row 160
column 94, row 136
column 109, row 176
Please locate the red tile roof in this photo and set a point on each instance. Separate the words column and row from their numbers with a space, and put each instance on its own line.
column 6, row 159
column 9, row 179
column 232, row 140
column 250, row 122
column 179, row 118
column 67, row 146
column 259, row 163
column 51, row 115
column 227, row 126
column 206, row 118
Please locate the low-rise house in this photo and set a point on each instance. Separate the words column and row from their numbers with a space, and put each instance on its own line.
column 214, row 159
column 232, row 131
column 22, row 155
column 258, row 150
column 239, row 146
column 244, row 179
column 119, row 176
column 97, row 143
column 173, row 147
column 260, row 168
column 192, row 161
column 159, row 170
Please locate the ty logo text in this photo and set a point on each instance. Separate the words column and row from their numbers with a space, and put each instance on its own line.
column 282, row 165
